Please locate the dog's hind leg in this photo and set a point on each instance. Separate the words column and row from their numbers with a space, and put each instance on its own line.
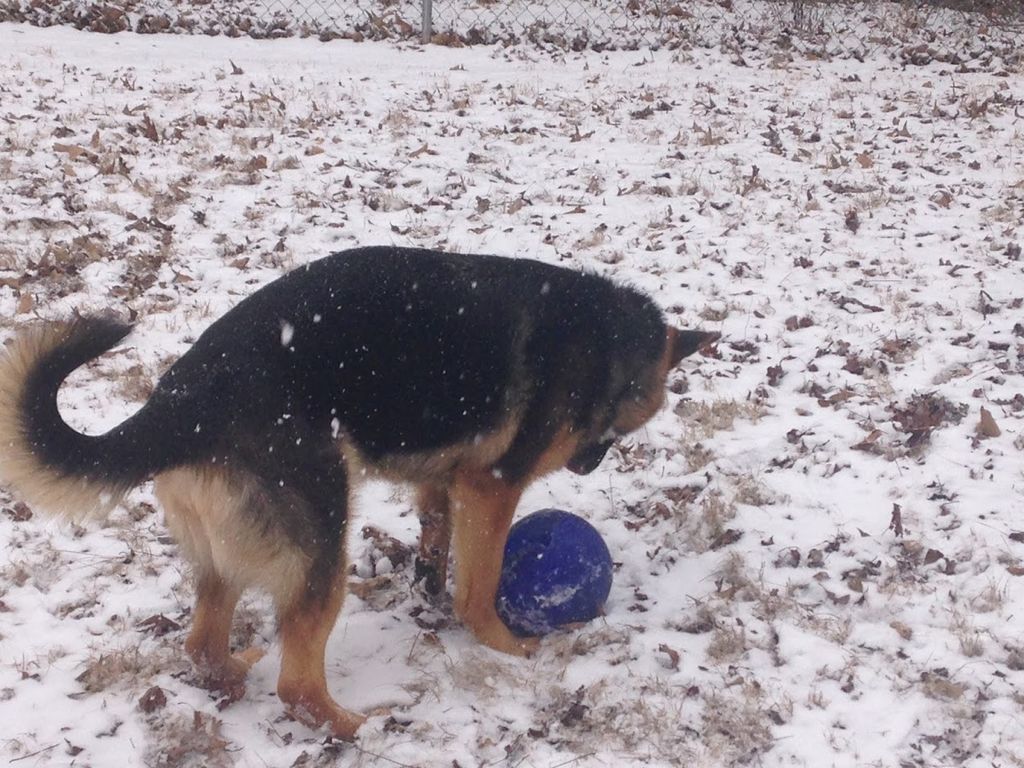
column 435, row 537
column 198, row 506
column 305, row 624
column 315, row 495
column 208, row 642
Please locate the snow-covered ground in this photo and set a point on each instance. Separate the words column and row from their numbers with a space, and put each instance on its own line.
column 819, row 547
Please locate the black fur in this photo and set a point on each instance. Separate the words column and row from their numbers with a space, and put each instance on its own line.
column 57, row 445
column 410, row 351
column 403, row 351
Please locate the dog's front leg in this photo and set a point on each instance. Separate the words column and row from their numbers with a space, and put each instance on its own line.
column 481, row 513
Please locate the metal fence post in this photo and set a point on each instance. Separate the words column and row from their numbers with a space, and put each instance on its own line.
column 427, row 21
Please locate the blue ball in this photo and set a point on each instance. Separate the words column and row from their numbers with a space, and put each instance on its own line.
column 557, row 570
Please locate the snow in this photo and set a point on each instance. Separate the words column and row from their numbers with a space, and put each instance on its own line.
column 853, row 230
column 287, row 332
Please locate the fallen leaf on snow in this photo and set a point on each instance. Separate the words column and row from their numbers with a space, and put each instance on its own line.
column 987, row 426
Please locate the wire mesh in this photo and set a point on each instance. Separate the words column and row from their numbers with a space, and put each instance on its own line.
column 822, row 26
column 963, row 32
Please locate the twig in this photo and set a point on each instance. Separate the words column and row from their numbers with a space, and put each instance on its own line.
column 574, row 760
column 381, row 757
column 33, row 754
column 415, row 640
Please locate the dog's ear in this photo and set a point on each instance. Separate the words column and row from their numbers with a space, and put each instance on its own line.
column 685, row 343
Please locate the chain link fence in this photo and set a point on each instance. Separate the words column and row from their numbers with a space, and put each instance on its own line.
column 953, row 31
column 973, row 33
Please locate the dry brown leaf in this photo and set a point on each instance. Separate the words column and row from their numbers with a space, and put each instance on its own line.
column 152, row 700
column 942, row 199
column 902, row 629
column 868, row 444
column 673, row 656
column 727, row 537
column 896, row 521
column 852, row 220
column 149, row 128
column 987, row 426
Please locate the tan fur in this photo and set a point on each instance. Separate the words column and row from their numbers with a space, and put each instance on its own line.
column 433, row 466
column 209, row 641
column 302, row 685
column 73, row 498
column 209, row 514
column 557, row 454
column 482, row 507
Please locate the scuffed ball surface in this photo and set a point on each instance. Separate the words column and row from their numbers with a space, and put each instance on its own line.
column 557, row 571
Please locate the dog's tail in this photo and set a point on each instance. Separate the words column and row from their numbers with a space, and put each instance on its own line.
column 49, row 464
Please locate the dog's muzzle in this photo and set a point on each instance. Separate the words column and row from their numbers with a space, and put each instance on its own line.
column 586, row 459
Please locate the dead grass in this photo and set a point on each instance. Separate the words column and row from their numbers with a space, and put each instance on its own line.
column 991, row 598
column 485, row 675
column 715, row 313
column 697, row 456
column 107, row 668
column 752, row 490
column 816, row 699
column 727, row 644
column 128, row 666
column 971, row 641
column 41, row 566
column 596, row 717
column 587, row 641
column 703, row 418
column 831, row 626
column 715, row 511
column 15, row 574
column 735, row 726
column 134, row 384
column 938, row 686
column 188, row 741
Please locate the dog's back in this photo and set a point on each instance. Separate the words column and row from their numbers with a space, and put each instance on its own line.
column 405, row 351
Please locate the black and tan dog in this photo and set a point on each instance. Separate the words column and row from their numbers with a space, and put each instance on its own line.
column 469, row 376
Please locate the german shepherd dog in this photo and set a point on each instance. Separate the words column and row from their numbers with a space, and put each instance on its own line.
column 467, row 376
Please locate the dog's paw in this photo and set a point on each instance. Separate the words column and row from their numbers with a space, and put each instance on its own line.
column 500, row 638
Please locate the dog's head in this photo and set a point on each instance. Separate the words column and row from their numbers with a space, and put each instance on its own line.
column 636, row 391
